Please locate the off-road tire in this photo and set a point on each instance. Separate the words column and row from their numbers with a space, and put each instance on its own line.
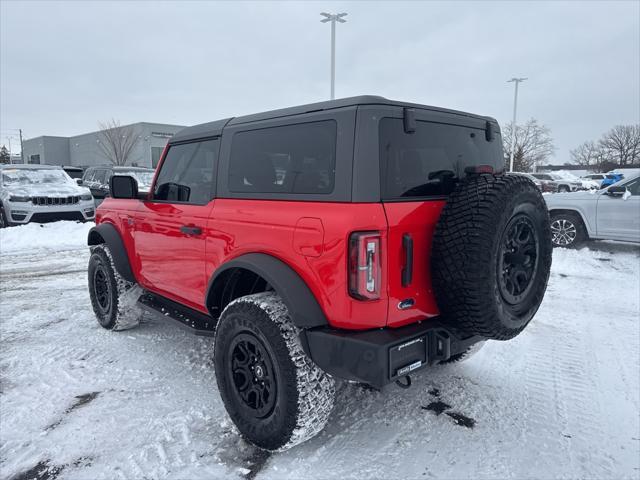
column 112, row 297
column 483, row 217
column 466, row 355
column 562, row 224
column 303, row 396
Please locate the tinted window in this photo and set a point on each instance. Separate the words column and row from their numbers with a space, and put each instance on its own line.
column 289, row 159
column 634, row 187
column 99, row 177
column 88, row 176
column 187, row 173
column 431, row 160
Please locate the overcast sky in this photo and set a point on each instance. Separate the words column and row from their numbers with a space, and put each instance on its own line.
column 65, row 66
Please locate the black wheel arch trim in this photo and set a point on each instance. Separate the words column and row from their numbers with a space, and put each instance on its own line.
column 303, row 307
column 107, row 233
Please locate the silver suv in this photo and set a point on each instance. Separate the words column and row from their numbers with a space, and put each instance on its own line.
column 41, row 193
column 612, row 213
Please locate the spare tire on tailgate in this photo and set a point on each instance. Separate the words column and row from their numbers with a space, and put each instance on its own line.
column 491, row 255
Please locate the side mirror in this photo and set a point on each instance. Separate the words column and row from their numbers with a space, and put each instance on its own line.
column 617, row 191
column 174, row 192
column 123, row 186
column 79, row 181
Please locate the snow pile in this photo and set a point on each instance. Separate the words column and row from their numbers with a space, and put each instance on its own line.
column 566, row 174
column 48, row 236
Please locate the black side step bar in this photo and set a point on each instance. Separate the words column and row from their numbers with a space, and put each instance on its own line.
column 196, row 322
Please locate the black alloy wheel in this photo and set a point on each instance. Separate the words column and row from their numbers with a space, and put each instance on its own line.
column 102, row 289
column 251, row 367
column 518, row 259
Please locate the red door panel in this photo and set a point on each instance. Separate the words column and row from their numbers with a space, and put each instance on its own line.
column 171, row 252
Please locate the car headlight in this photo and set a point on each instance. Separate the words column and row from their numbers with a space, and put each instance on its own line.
column 86, row 196
column 19, row 198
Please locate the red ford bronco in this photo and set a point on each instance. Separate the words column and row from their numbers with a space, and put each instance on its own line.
column 357, row 239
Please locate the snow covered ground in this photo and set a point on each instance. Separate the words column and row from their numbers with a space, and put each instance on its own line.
column 78, row 402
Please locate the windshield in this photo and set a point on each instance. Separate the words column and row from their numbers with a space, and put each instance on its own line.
column 20, row 176
column 555, row 176
column 144, row 178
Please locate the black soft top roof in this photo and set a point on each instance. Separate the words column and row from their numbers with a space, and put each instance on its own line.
column 212, row 129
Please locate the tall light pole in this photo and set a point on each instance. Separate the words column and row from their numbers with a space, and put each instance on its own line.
column 513, row 124
column 333, row 18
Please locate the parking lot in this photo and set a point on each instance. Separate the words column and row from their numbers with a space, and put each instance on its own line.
column 559, row 401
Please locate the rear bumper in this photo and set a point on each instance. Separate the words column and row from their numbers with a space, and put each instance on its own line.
column 379, row 357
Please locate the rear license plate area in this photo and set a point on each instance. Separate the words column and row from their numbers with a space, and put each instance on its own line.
column 407, row 356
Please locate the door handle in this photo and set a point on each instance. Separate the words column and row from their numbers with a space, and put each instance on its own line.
column 190, row 230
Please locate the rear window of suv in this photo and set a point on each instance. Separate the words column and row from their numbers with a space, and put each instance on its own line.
column 298, row 159
column 430, row 161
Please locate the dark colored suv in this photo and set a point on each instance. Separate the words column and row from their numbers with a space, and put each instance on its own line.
column 97, row 179
column 356, row 239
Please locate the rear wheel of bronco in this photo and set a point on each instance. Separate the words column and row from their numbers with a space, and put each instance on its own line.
column 112, row 297
column 273, row 392
column 491, row 255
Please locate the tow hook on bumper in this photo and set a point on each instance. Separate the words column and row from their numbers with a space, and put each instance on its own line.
column 406, row 384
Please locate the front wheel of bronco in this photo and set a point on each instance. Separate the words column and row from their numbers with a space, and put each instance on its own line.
column 112, row 297
column 273, row 392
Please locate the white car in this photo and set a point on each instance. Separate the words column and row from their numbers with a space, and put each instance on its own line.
column 612, row 213
column 41, row 193
column 596, row 178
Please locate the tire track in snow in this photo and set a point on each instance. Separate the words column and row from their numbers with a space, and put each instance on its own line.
column 559, row 384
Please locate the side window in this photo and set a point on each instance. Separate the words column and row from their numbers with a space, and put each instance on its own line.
column 98, row 177
column 88, row 177
column 296, row 159
column 430, row 161
column 188, row 172
column 634, row 187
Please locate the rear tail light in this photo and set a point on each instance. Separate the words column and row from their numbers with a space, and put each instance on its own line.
column 364, row 265
column 478, row 169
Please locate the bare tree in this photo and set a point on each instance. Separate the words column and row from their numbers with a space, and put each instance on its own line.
column 533, row 145
column 5, row 156
column 589, row 154
column 621, row 144
column 117, row 142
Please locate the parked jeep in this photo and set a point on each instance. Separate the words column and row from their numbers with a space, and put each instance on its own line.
column 39, row 194
column 358, row 239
